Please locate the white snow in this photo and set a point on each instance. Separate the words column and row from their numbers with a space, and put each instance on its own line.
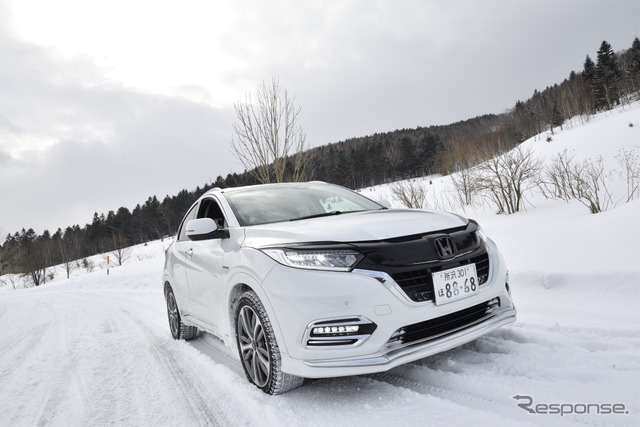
column 96, row 349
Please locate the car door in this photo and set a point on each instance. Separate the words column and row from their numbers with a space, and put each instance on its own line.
column 178, row 254
column 204, row 269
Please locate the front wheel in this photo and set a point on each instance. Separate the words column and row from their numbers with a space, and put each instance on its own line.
column 258, row 348
column 179, row 330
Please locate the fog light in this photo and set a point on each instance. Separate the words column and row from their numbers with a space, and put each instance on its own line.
column 341, row 331
column 349, row 329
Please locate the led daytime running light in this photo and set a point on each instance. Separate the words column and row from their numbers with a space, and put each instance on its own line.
column 338, row 259
column 350, row 329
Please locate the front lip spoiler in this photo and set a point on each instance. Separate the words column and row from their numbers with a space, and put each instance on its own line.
column 398, row 356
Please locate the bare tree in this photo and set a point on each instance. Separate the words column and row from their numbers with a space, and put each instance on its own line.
column 630, row 164
column 10, row 279
column 460, row 160
column 121, row 251
column 593, row 184
column 65, row 255
column 464, row 184
column 558, row 182
column 393, row 157
column 409, row 193
column 504, row 179
column 69, row 248
column 268, row 136
column 586, row 182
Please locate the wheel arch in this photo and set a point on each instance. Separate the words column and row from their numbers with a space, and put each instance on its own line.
column 166, row 286
column 244, row 283
column 178, row 296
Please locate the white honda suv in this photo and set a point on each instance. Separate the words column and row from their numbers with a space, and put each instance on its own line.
column 311, row 280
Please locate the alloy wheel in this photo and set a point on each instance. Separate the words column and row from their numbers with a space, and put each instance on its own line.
column 254, row 346
column 174, row 316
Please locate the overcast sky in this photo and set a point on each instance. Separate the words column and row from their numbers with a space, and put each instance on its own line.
column 105, row 103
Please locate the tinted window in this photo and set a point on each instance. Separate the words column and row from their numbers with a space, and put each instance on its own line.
column 209, row 208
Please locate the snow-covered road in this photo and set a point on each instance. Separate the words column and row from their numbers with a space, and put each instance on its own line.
column 97, row 350
column 92, row 358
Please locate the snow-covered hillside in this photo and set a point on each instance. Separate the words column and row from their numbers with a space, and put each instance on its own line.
column 96, row 349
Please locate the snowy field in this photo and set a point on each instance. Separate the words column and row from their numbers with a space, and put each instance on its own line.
column 96, row 349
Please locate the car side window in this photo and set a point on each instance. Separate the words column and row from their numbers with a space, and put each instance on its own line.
column 182, row 233
column 209, row 208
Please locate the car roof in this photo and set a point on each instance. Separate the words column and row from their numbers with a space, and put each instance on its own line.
column 273, row 185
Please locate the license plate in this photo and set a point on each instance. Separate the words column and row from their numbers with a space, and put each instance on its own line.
column 455, row 283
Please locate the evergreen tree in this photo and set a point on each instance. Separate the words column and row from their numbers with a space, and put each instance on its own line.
column 588, row 74
column 11, row 255
column 34, row 256
column 634, row 64
column 606, row 78
column 589, row 70
column 557, row 119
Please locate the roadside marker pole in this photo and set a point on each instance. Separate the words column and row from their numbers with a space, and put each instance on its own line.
column 108, row 265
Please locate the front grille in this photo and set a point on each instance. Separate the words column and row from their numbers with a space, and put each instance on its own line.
column 443, row 325
column 418, row 284
column 482, row 267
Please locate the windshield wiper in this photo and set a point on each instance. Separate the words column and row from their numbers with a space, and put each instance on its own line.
column 317, row 215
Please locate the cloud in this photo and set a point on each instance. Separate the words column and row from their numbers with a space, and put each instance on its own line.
column 5, row 159
column 72, row 143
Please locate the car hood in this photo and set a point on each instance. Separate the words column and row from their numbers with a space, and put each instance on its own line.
column 352, row 227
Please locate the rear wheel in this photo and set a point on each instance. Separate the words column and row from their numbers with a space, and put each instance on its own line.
column 179, row 330
column 258, row 348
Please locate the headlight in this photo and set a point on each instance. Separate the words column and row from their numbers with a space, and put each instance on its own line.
column 337, row 260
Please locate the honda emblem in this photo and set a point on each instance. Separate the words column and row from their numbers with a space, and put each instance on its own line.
column 445, row 247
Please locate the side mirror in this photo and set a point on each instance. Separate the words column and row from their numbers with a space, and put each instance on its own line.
column 205, row 229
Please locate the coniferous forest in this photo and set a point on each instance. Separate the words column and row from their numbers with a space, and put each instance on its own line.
column 609, row 80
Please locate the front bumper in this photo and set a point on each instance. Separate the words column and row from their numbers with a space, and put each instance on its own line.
column 299, row 298
column 413, row 351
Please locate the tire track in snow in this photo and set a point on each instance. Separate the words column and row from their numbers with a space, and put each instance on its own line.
column 16, row 352
column 126, row 339
column 23, row 335
column 89, row 347
column 437, row 374
column 484, row 374
column 67, row 378
column 45, row 379
column 191, row 391
column 501, row 411
column 424, row 381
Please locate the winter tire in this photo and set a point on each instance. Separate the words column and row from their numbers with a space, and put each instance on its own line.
column 258, row 349
column 179, row 330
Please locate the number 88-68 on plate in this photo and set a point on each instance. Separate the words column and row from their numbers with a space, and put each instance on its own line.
column 455, row 283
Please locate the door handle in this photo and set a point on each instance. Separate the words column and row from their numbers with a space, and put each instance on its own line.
column 190, row 252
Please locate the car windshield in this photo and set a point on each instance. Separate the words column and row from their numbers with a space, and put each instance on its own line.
column 278, row 203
